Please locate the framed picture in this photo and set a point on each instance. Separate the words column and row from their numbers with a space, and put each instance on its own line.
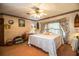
column 7, row 26
column 37, row 25
column 10, row 21
column 76, row 21
column 21, row 22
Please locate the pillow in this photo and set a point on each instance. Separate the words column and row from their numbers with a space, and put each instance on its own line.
column 50, row 33
column 47, row 33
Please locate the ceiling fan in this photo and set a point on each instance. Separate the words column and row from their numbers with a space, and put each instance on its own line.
column 36, row 13
column 35, row 9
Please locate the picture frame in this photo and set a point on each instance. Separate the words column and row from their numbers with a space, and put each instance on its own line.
column 37, row 25
column 7, row 26
column 21, row 22
column 10, row 21
column 76, row 21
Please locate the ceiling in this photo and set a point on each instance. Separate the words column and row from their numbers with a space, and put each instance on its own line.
column 51, row 9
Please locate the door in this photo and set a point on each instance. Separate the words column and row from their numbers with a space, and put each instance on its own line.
column 1, row 31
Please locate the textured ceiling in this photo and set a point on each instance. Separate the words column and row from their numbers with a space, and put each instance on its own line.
column 51, row 9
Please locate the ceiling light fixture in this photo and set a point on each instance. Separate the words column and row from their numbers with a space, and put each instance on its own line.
column 36, row 13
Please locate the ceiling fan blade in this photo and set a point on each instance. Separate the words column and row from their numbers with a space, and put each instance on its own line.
column 36, row 8
column 28, row 13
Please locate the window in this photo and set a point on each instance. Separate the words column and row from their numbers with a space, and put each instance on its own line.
column 54, row 28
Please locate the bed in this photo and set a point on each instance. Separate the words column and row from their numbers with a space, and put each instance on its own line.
column 48, row 43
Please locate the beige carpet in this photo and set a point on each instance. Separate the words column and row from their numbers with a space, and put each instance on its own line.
column 25, row 50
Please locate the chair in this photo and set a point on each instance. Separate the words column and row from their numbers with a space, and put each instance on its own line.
column 18, row 39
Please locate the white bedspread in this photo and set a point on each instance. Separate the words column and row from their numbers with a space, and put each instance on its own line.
column 48, row 43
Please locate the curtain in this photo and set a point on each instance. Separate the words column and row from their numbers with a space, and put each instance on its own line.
column 42, row 27
column 65, row 27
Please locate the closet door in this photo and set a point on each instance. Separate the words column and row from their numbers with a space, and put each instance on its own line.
column 1, row 31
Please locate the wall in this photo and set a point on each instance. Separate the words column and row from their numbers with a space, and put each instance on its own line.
column 70, row 17
column 9, row 34
column 15, row 30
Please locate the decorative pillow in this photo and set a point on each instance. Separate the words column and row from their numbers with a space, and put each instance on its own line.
column 50, row 33
column 47, row 33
